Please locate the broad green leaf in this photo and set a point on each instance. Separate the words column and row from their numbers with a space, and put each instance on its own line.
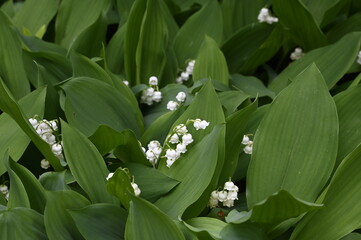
column 319, row 8
column 115, row 62
column 106, row 139
column 132, row 35
column 124, row 7
column 17, row 192
column 238, row 217
column 341, row 213
column 193, row 176
column 86, row 164
column 74, row 17
column 12, row 68
column 210, row 63
column 212, row 226
column 295, row 145
column 130, row 149
column 151, row 181
column 150, row 54
column 351, row 24
column 84, row 67
column 44, row 11
column 120, row 186
column 352, row 236
column 244, row 44
column 245, row 231
column 34, row 190
column 100, row 221
column 295, row 16
column 265, row 51
column 22, row 223
column 95, row 103
column 348, row 106
column 58, row 222
column 238, row 14
column 207, row 21
column 12, row 137
column 234, row 138
column 333, row 61
column 8, row 105
column 279, row 207
column 231, row 100
column 154, row 223
column 54, row 181
column 8, row 8
column 252, row 86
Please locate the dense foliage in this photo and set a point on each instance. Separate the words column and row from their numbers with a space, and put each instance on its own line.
column 180, row 119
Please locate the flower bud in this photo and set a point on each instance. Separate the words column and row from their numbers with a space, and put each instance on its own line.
column 109, row 176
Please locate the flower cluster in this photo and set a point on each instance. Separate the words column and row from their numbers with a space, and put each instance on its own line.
column 359, row 58
column 297, row 54
column 48, row 131
column 184, row 76
column 151, row 94
column 173, row 105
column 265, row 16
column 248, row 145
column 134, row 185
column 227, row 196
column 5, row 190
column 175, row 144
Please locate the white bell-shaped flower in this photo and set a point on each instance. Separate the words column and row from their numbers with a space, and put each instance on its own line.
column 172, row 105
column 4, row 189
column 228, row 203
column 228, row 185
column 181, row 129
column 170, row 162
column 171, row 154
column 232, row 195
column 200, row 124
column 174, row 139
column 157, row 96
column 153, row 81
column 214, row 194
column 213, row 202
column 181, row 147
column 245, row 140
column 181, row 96
column 153, row 144
column 33, row 122
column 222, row 195
column 57, row 148
column 136, row 189
column 44, row 164
column 109, row 176
column 248, row 149
column 187, row 139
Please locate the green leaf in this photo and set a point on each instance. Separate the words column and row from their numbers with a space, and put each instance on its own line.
column 124, row 7
column 17, row 193
column 252, row 86
column 231, row 100
column 234, row 138
column 100, row 221
column 279, row 207
column 12, row 67
column 352, row 236
column 191, row 35
column 120, row 186
column 43, row 9
column 319, row 9
column 74, row 17
column 340, row 214
column 194, row 178
column 58, row 221
column 34, row 190
column 8, row 105
column 210, row 63
column 295, row 16
column 333, row 62
column 54, row 181
column 95, row 103
column 154, row 223
column 245, row 231
column 86, row 164
column 22, row 223
column 115, row 62
column 151, row 181
column 351, row 24
column 150, row 58
column 130, row 149
column 212, row 226
column 244, row 44
column 348, row 106
column 295, row 145
column 238, row 14
column 106, row 139
column 12, row 137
